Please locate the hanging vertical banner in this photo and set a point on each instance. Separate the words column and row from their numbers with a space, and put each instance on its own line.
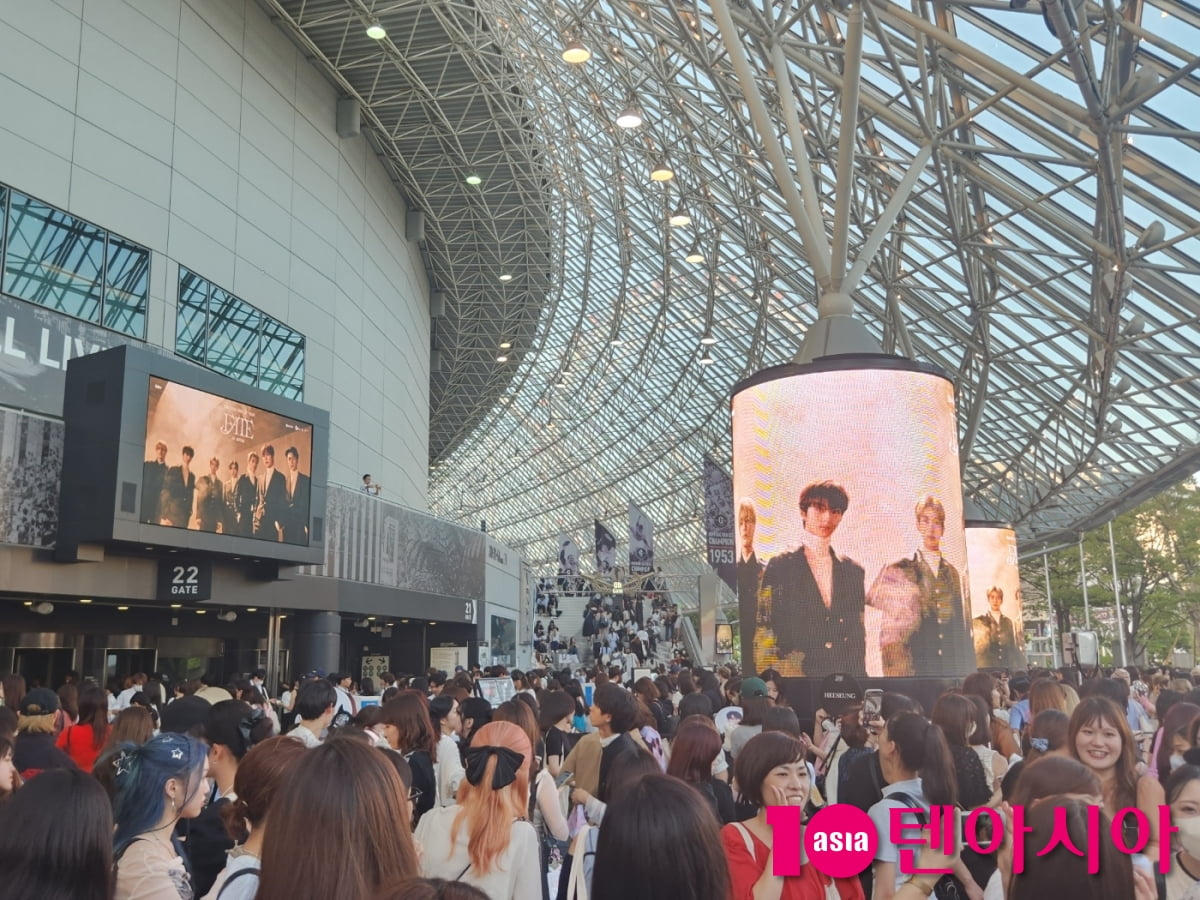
column 641, row 542
column 718, row 522
column 606, row 551
column 568, row 556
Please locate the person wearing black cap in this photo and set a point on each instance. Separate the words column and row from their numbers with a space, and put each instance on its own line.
column 34, row 750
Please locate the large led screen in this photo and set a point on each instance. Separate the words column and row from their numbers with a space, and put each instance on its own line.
column 217, row 465
column 996, row 623
column 850, row 547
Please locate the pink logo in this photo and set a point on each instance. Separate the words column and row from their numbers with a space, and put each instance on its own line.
column 840, row 841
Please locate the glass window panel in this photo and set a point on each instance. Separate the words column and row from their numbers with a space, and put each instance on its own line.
column 191, row 319
column 126, row 286
column 282, row 360
column 53, row 259
column 233, row 327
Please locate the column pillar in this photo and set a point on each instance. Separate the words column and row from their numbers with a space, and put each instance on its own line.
column 316, row 642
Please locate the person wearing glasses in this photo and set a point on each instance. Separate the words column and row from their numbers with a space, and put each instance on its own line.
column 812, row 598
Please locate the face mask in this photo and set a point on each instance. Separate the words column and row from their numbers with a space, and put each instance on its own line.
column 1189, row 835
column 1176, row 761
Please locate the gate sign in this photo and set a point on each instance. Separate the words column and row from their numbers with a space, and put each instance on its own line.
column 184, row 579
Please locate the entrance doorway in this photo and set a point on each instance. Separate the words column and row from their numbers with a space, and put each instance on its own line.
column 43, row 667
column 118, row 662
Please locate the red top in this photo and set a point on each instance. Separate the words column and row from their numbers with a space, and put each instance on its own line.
column 745, row 869
column 78, row 742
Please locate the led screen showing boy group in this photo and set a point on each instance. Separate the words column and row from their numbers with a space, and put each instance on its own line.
column 214, row 464
column 850, row 545
column 996, row 623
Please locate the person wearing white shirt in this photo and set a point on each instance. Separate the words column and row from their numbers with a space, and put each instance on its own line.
column 444, row 711
column 136, row 683
column 496, row 787
column 315, row 706
column 344, row 702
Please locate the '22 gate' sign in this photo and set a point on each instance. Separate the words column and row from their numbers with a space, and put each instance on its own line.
column 182, row 579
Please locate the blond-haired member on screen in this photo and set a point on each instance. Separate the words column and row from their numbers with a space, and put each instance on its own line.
column 928, row 633
column 817, row 596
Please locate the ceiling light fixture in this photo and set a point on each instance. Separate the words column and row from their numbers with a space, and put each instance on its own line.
column 506, row 345
column 202, row 612
column 679, row 218
column 122, row 609
column 694, row 255
column 474, row 180
column 630, row 117
column 502, row 358
column 251, row 609
column 506, row 277
column 616, row 341
column 176, row 606
column 661, row 171
column 85, row 599
column 707, row 338
column 44, row 608
column 575, row 53
column 375, row 30
column 706, row 359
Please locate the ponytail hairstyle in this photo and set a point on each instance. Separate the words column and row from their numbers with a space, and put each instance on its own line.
column 923, row 749
column 487, row 812
column 142, row 773
column 259, row 776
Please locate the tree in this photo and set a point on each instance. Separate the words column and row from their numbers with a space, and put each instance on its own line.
column 1158, row 575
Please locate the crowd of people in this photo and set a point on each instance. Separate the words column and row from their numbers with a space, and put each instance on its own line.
column 616, row 629
column 603, row 789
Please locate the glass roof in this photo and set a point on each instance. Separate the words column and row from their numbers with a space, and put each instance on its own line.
column 1047, row 256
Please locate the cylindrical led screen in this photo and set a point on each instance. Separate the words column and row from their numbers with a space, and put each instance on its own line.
column 995, row 579
column 850, row 544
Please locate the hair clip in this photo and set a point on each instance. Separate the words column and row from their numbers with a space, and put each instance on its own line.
column 123, row 762
column 1041, row 745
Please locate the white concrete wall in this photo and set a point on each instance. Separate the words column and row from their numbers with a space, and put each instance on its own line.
column 194, row 127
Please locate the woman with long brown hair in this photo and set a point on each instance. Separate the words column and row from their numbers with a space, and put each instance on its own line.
column 485, row 840
column 697, row 744
column 408, row 728
column 86, row 737
column 334, row 829
column 1099, row 737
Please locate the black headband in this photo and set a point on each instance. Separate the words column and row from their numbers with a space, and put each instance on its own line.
column 508, row 764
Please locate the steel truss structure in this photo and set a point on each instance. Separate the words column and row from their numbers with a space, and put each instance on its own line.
column 1008, row 190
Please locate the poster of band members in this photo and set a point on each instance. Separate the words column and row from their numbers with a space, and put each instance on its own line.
column 31, row 455
column 641, row 542
column 718, row 522
column 996, row 624
column 850, row 544
column 214, row 464
column 568, row 565
column 606, row 551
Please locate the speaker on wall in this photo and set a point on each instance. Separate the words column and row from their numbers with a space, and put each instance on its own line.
column 349, row 117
